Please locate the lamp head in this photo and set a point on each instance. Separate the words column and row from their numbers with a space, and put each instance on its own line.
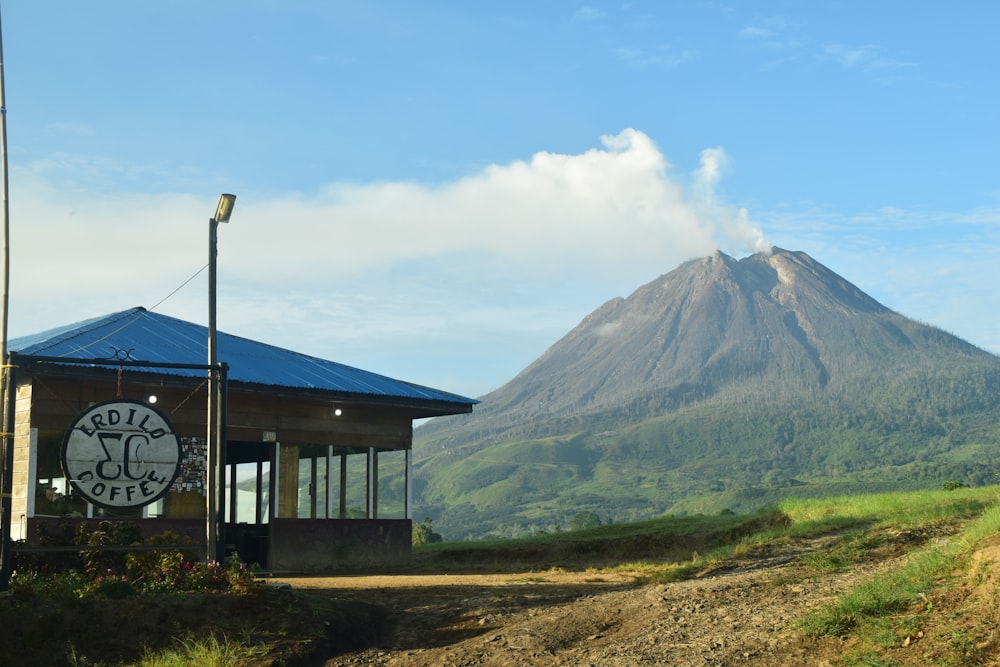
column 225, row 208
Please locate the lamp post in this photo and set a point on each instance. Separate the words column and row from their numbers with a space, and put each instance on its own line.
column 6, row 385
column 215, row 543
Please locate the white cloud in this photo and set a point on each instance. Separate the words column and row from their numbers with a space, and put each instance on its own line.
column 755, row 32
column 775, row 33
column 589, row 13
column 510, row 253
column 852, row 56
column 732, row 224
column 606, row 209
column 868, row 58
column 660, row 56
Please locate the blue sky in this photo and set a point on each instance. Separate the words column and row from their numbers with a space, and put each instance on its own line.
column 438, row 191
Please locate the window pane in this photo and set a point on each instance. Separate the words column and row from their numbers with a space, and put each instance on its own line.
column 391, row 485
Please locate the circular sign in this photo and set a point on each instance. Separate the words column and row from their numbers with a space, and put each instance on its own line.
column 121, row 454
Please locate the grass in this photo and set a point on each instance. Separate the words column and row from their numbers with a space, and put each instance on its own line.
column 889, row 610
column 667, row 540
column 673, row 547
column 927, row 567
column 897, row 510
column 205, row 652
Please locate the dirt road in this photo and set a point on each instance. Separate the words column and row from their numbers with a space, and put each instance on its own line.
column 745, row 614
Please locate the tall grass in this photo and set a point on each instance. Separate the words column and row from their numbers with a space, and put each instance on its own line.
column 864, row 608
column 898, row 510
column 205, row 652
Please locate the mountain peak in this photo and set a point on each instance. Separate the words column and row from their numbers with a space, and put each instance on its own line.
column 710, row 326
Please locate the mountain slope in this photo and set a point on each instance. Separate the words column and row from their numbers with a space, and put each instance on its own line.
column 713, row 384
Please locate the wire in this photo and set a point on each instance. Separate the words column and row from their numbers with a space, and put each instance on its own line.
column 135, row 319
column 179, row 288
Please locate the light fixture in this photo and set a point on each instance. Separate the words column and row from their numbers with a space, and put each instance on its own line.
column 152, row 399
column 215, row 440
column 225, row 208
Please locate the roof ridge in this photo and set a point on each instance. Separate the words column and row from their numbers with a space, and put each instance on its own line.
column 78, row 329
column 162, row 338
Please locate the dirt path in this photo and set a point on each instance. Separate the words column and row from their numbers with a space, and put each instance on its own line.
column 742, row 615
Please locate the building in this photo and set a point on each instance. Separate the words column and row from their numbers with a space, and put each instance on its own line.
column 316, row 455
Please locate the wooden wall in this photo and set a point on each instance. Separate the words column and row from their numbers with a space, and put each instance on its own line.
column 254, row 415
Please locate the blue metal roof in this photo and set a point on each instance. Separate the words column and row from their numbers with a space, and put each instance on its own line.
column 152, row 337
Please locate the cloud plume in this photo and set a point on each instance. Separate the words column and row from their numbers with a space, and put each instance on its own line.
column 403, row 259
column 603, row 210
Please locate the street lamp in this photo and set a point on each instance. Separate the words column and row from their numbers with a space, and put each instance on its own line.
column 6, row 388
column 215, row 542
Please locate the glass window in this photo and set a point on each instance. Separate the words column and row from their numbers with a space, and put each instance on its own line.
column 53, row 493
column 392, row 484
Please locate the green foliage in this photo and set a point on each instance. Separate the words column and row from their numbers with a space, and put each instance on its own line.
column 172, row 566
column 902, row 510
column 706, row 459
column 423, row 533
column 584, row 520
column 205, row 652
column 106, row 534
column 171, row 574
column 883, row 596
column 161, row 570
column 27, row 585
column 871, row 609
column 668, row 541
column 853, row 547
column 112, row 586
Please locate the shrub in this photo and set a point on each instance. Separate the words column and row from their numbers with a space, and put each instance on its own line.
column 27, row 585
column 423, row 532
column 160, row 570
column 107, row 534
column 112, row 586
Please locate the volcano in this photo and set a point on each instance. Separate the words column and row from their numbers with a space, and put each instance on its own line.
column 724, row 384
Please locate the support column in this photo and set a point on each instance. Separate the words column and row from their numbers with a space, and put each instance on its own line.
column 343, row 486
column 408, row 492
column 232, row 494
column 259, row 495
column 374, row 484
column 288, row 481
column 272, row 499
column 328, row 514
column 370, row 490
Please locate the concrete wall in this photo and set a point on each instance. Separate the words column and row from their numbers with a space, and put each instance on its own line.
column 23, row 468
column 328, row 545
column 45, row 527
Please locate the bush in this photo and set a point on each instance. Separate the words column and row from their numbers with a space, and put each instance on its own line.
column 423, row 533
column 121, row 573
column 584, row 520
column 26, row 585
column 107, row 534
column 156, row 570
column 112, row 586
